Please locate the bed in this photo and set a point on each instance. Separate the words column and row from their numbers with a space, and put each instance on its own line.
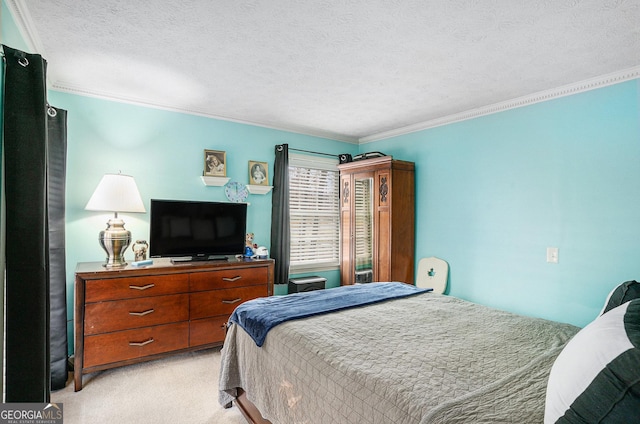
column 415, row 359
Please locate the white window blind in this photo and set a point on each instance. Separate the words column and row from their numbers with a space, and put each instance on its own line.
column 315, row 214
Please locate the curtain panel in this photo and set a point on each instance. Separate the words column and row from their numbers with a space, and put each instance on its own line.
column 280, row 231
column 25, row 180
column 56, row 184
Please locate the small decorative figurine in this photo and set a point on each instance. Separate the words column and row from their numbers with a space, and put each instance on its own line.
column 248, row 249
column 140, row 250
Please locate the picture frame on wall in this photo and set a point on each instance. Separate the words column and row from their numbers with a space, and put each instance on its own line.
column 258, row 173
column 215, row 163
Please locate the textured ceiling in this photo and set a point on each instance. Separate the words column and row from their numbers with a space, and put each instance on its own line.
column 346, row 69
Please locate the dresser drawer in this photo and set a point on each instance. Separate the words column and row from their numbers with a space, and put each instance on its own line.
column 207, row 330
column 130, row 344
column 222, row 302
column 227, row 278
column 103, row 317
column 124, row 288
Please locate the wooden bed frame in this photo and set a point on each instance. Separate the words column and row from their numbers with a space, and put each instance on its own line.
column 248, row 409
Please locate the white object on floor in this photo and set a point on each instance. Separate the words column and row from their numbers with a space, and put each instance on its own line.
column 432, row 273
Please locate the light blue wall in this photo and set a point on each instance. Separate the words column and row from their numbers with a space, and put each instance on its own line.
column 494, row 192
column 164, row 151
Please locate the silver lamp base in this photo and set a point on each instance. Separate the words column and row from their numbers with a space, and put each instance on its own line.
column 114, row 240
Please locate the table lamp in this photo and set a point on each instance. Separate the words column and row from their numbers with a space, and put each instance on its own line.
column 115, row 193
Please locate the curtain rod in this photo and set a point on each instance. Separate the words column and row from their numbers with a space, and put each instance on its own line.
column 315, row 153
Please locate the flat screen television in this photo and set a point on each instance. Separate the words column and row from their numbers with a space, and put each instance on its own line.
column 196, row 230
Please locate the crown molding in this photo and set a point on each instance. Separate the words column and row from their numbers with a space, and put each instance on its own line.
column 22, row 18
column 542, row 96
column 289, row 128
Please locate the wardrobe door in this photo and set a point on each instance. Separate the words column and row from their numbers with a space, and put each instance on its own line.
column 346, row 229
column 382, row 269
column 363, row 228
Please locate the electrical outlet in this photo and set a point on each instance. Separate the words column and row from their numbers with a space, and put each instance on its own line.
column 552, row 255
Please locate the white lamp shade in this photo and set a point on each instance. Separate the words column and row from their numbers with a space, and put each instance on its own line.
column 116, row 193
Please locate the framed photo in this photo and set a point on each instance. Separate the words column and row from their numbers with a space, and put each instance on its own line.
column 258, row 173
column 215, row 163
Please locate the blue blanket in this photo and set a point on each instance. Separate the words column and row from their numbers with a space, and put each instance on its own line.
column 258, row 316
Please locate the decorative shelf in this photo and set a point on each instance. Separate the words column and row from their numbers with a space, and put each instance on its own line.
column 258, row 189
column 214, row 181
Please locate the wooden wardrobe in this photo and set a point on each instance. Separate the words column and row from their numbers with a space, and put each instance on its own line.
column 377, row 220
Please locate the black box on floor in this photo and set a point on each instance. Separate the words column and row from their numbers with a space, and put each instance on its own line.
column 303, row 284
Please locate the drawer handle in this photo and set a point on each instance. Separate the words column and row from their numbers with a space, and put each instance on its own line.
column 148, row 286
column 231, row 280
column 141, row 314
column 146, row 342
column 231, row 302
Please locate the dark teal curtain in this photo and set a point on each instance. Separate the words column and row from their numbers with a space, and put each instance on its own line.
column 280, row 231
column 26, row 154
column 56, row 183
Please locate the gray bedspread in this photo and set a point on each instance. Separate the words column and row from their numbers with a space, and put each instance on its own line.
column 425, row 359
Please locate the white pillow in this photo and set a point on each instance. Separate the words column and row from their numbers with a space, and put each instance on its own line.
column 596, row 377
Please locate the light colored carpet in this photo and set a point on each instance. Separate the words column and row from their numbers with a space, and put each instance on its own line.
column 179, row 389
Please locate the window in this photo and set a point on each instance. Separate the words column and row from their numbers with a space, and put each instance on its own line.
column 315, row 213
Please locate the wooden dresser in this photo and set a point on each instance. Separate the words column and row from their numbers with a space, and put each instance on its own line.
column 136, row 314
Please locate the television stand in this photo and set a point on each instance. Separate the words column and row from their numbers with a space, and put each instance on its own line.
column 182, row 259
